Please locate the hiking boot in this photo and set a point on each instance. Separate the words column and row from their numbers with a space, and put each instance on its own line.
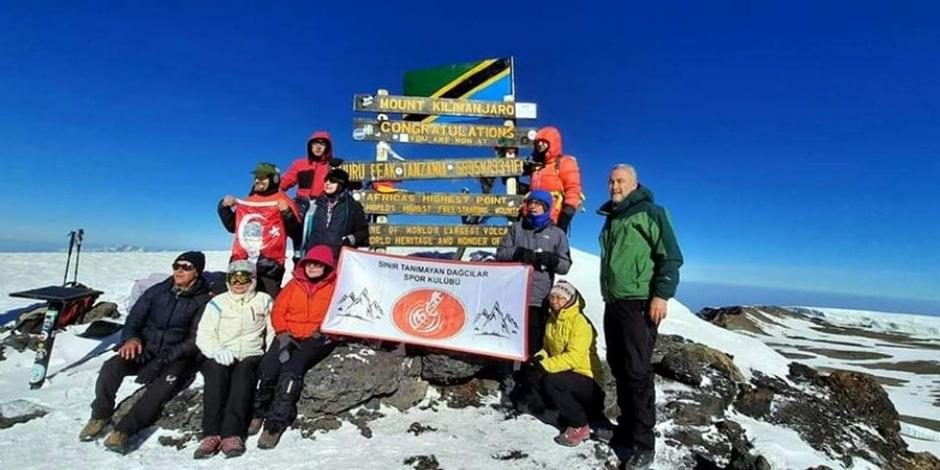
column 602, row 433
column 116, row 442
column 641, row 460
column 255, row 426
column 92, row 429
column 269, row 439
column 573, row 436
column 209, row 446
column 233, row 446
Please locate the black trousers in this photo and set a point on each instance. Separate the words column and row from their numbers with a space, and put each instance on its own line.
column 536, row 331
column 631, row 336
column 269, row 284
column 578, row 398
column 279, row 385
column 145, row 412
column 227, row 396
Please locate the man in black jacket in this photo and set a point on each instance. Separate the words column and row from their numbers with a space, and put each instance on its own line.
column 158, row 345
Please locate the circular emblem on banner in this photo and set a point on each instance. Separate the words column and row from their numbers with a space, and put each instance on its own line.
column 250, row 233
column 429, row 313
column 359, row 134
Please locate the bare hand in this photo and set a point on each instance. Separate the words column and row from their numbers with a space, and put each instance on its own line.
column 657, row 310
column 281, row 205
column 130, row 349
column 228, row 201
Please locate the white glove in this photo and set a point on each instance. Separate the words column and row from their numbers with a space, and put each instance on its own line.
column 224, row 357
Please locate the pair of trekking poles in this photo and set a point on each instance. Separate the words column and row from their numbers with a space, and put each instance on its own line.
column 75, row 243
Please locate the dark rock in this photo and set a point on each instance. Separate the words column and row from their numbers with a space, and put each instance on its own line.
column 351, row 376
column 361, row 420
column 451, row 368
column 465, row 395
column 177, row 442
column 183, row 412
column 755, row 402
column 804, row 373
column 410, row 392
column 21, row 341
column 417, row 428
column 423, row 462
column 865, row 398
column 100, row 311
column 685, row 361
column 325, row 424
column 19, row 412
column 510, row 455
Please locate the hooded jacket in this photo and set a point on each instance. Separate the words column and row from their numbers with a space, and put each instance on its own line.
column 309, row 173
column 236, row 322
column 549, row 239
column 336, row 221
column 165, row 318
column 302, row 304
column 558, row 175
column 570, row 342
column 640, row 256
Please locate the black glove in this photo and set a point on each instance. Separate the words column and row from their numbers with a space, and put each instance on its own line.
column 150, row 372
column 535, row 363
column 547, row 259
column 524, row 255
column 335, row 162
column 531, row 166
column 564, row 219
column 285, row 343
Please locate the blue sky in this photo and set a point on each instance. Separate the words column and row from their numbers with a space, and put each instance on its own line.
column 795, row 143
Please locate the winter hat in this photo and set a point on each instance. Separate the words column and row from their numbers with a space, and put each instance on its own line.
column 338, row 175
column 266, row 170
column 242, row 265
column 196, row 258
column 545, row 199
column 565, row 290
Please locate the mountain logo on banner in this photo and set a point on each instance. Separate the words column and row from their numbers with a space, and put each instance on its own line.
column 429, row 314
column 495, row 323
column 359, row 306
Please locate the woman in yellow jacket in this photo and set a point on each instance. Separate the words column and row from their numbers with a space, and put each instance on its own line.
column 571, row 365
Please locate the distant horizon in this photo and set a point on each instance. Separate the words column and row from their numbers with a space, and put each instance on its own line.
column 694, row 293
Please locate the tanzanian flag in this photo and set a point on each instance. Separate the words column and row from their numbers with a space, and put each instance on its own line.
column 488, row 79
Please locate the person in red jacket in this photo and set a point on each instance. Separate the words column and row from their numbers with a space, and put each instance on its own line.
column 296, row 318
column 308, row 173
column 262, row 222
column 557, row 173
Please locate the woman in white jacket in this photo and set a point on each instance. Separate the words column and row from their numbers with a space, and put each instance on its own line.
column 231, row 335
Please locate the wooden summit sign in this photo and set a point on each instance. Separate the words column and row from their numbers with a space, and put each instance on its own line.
column 410, row 132
column 407, row 203
column 433, row 169
column 443, row 106
column 382, row 235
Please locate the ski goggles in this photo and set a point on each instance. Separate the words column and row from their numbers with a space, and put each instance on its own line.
column 183, row 267
column 239, row 277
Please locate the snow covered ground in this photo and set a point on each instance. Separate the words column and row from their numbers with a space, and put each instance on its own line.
column 900, row 350
column 465, row 438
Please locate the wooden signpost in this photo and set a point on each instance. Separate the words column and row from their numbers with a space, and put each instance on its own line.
column 432, row 169
column 384, row 235
column 407, row 203
column 411, row 132
column 435, row 98
column 444, row 106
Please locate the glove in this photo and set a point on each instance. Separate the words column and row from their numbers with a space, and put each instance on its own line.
column 547, row 259
column 224, row 357
column 285, row 342
column 535, row 363
column 335, row 162
column 150, row 372
column 564, row 219
column 349, row 240
column 529, row 167
column 524, row 255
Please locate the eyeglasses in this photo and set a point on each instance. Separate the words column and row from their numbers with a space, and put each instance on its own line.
column 239, row 277
column 183, row 266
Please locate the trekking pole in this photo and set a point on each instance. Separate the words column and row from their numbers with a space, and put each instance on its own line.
column 78, row 253
column 65, row 277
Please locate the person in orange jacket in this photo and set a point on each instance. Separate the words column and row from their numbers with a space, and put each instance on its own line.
column 557, row 173
column 296, row 318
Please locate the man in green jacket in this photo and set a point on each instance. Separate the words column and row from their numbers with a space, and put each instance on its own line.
column 640, row 262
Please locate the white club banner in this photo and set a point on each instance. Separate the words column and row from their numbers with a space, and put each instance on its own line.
column 477, row 308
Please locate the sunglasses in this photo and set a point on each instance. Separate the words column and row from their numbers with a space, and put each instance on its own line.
column 239, row 277
column 183, row 266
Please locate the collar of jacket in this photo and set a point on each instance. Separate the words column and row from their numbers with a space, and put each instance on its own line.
column 632, row 204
